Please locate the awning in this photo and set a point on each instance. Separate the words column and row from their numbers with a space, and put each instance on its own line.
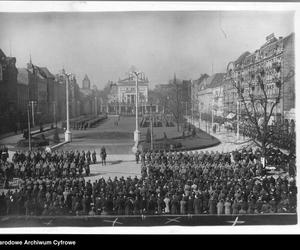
column 230, row 116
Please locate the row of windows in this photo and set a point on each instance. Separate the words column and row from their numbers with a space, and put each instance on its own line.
column 132, row 88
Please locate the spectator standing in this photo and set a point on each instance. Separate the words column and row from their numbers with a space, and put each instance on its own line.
column 174, row 205
column 160, row 204
column 167, row 204
column 227, row 206
column 190, row 205
column 212, row 206
column 183, row 205
column 197, row 205
column 220, row 207
column 235, row 207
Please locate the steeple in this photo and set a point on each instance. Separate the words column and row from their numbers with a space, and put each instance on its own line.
column 30, row 66
column 86, row 83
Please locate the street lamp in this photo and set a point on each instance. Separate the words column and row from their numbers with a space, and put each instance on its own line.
column 68, row 133
column 238, row 120
column 29, row 130
column 240, row 92
column 212, row 119
column 32, row 103
column 96, row 111
column 54, row 114
column 137, row 133
column 151, row 129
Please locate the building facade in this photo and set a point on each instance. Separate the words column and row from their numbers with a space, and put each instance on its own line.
column 122, row 96
column 22, row 97
column 186, row 95
column 90, row 102
column 211, row 95
column 275, row 52
column 8, row 93
column 37, row 85
column 195, row 88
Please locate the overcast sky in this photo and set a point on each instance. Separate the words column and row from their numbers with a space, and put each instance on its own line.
column 105, row 45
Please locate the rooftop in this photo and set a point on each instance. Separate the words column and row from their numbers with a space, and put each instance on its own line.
column 215, row 80
column 46, row 73
column 131, row 81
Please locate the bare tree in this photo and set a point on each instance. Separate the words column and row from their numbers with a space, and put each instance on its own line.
column 259, row 96
column 169, row 96
column 175, row 101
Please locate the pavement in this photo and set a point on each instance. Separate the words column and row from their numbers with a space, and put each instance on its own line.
column 116, row 166
column 123, row 164
column 228, row 139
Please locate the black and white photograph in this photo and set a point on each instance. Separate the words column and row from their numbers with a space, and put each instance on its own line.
column 132, row 116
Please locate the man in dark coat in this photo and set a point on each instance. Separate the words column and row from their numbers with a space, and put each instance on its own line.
column 103, row 155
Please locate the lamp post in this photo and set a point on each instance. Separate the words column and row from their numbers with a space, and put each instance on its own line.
column 212, row 119
column 151, row 125
column 54, row 114
column 78, row 108
column 29, row 130
column 68, row 133
column 192, row 112
column 96, row 111
column 32, row 103
column 238, row 120
column 199, row 109
column 136, row 132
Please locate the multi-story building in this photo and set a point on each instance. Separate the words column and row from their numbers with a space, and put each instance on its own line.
column 8, row 93
column 60, row 97
column 88, row 98
column 195, row 88
column 22, row 97
column 38, row 93
column 74, row 96
column 210, row 94
column 122, row 97
column 51, row 105
column 186, row 95
column 275, row 52
column 38, row 85
column 230, row 97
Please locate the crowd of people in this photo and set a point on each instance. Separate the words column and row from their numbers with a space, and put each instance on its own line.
column 170, row 183
column 42, row 164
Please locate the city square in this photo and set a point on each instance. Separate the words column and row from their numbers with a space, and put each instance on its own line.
column 187, row 142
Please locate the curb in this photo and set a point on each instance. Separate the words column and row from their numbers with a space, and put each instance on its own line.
column 59, row 145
